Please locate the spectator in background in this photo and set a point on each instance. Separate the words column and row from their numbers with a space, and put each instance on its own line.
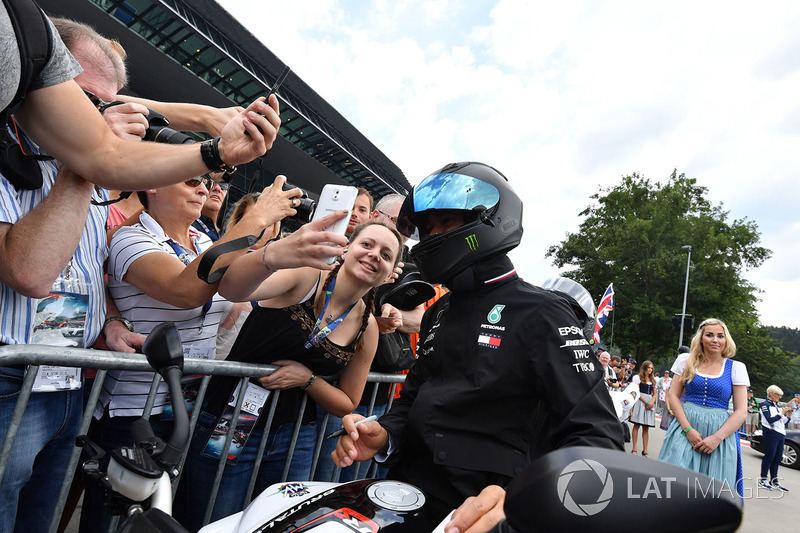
column 610, row 377
column 794, row 420
column 624, row 375
column 705, row 438
column 361, row 210
column 643, row 414
column 753, row 413
column 631, row 369
column 773, row 431
column 207, row 221
column 615, row 365
column 663, row 387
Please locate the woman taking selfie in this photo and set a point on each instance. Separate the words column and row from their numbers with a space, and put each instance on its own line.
column 309, row 322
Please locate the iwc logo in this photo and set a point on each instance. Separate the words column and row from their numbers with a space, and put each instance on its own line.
column 591, row 508
column 494, row 315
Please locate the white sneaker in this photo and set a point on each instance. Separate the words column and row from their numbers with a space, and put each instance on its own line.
column 778, row 486
column 764, row 484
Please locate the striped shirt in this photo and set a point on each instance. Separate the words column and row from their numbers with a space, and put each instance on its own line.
column 124, row 391
column 17, row 311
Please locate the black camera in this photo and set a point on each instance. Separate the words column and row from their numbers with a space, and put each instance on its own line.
column 158, row 130
column 305, row 207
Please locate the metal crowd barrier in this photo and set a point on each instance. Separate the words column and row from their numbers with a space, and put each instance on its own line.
column 37, row 355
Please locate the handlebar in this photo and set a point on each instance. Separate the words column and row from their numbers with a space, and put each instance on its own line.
column 164, row 352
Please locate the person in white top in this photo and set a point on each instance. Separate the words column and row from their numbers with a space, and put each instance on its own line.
column 773, row 427
column 663, row 386
column 794, row 420
column 703, row 436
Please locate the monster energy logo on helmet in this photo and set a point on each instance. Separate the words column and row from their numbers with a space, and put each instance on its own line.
column 472, row 241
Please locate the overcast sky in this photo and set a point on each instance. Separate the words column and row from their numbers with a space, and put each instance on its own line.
column 566, row 97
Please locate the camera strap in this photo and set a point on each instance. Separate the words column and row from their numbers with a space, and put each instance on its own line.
column 212, row 254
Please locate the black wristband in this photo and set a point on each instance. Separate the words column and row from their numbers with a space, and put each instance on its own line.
column 209, row 151
column 310, row 382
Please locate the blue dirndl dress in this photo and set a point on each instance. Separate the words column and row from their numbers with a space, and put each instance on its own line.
column 706, row 408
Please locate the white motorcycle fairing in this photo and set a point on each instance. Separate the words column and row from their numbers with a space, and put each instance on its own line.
column 625, row 400
column 363, row 506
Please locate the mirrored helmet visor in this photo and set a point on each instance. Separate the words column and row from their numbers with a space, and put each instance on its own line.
column 450, row 191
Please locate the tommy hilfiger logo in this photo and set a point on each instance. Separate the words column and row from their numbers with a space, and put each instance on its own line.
column 489, row 340
column 472, row 242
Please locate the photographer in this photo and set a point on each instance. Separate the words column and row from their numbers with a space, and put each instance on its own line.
column 57, row 116
column 53, row 245
column 610, row 377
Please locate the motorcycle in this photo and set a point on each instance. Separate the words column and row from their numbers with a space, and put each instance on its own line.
column 567, row 489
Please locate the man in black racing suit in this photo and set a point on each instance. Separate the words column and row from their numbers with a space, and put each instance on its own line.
column 504, row 373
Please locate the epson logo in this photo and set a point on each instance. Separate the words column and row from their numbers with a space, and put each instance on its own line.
column 570, row 330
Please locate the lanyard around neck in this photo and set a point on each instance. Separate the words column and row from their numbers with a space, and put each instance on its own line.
column 184, row 258
column 317, row 334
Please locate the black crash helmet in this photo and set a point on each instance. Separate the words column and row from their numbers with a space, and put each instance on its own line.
column 492, row 209
column 578, row 299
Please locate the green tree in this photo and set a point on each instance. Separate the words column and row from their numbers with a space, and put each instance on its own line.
column 632, row 234
column 787, row 338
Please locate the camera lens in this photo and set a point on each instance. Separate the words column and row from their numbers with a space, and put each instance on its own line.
column 305, row 208
column 158, row 130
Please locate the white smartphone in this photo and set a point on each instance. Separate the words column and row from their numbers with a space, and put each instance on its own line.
column 336, row 198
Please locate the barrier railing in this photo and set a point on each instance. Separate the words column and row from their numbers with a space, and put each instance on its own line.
column 34, row 356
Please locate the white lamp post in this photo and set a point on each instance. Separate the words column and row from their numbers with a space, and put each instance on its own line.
column 685, row 292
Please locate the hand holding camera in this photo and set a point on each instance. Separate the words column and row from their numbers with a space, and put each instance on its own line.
column 277, row 202
column 127, row 121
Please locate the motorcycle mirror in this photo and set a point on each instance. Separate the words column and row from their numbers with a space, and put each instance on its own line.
column 163, row 348
column 582, row 487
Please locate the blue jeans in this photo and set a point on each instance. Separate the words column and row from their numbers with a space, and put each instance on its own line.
column 39, row 457
column 199, row 471
column 773, row 453
column 325, row 466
